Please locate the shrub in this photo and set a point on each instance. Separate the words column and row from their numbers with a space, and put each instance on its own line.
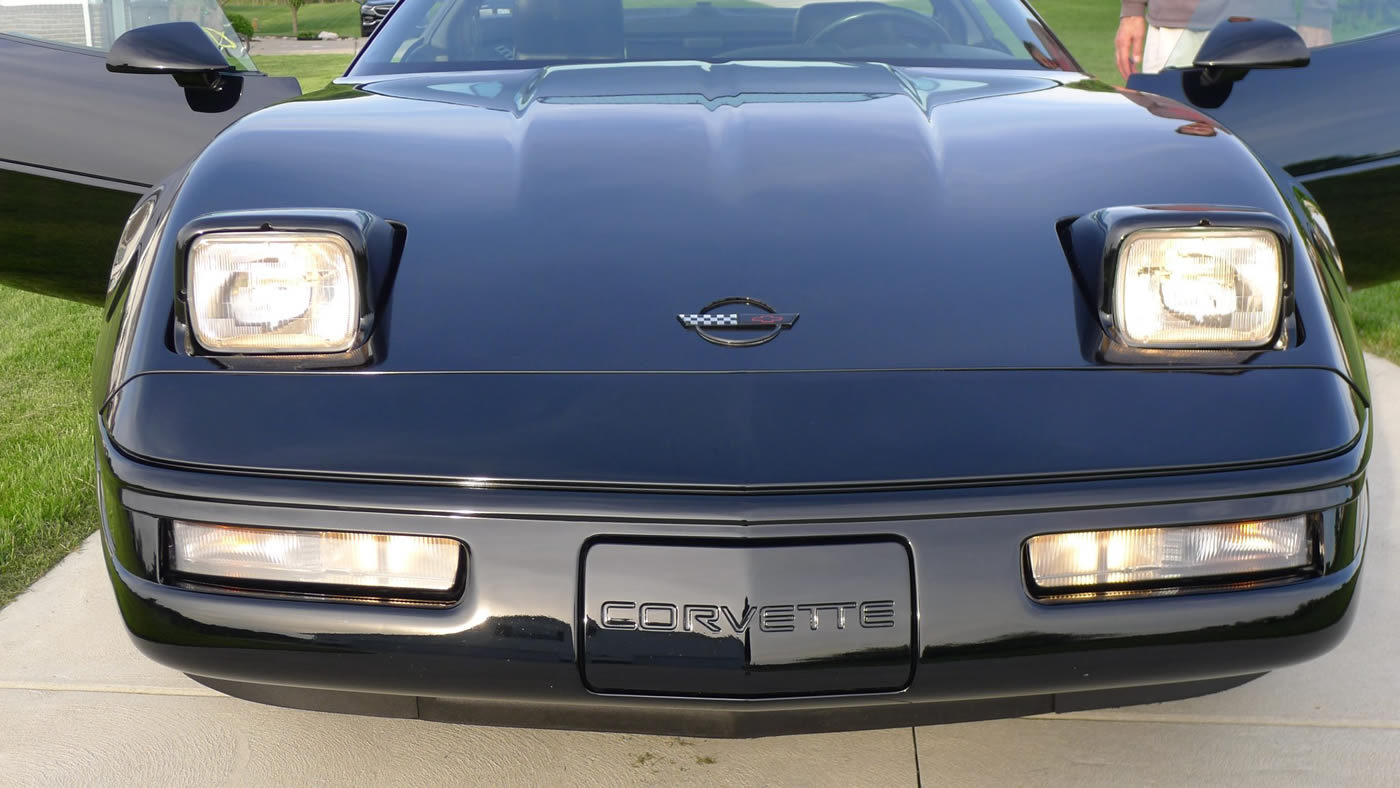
column 242, row 26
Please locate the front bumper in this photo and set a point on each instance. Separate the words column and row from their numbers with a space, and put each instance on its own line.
column 510, row 652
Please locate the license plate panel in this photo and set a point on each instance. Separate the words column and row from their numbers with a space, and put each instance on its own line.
column 746, row 619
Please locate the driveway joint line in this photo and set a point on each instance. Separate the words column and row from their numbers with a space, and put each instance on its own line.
column 108, row 689
column 1210, row 719
column 918, row 772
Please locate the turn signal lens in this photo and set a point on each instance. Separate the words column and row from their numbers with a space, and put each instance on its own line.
column 319, row 561
column 1205, row 287
column 1101, row 560
column 272, row 292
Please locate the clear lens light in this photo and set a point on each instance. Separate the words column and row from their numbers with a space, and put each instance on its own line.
column 357, row 561
column 1207, row 287
column 1144, row 555
column 131, row 234
column 273, row 292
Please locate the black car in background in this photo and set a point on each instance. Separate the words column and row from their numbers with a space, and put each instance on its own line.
column 716, row 370
column 372, row 12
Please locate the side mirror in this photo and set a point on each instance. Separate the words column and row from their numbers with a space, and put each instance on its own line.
column 180, row 49
column 1240, row 44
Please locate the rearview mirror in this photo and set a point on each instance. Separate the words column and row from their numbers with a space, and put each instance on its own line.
column 1240, row 44
column 180, row 49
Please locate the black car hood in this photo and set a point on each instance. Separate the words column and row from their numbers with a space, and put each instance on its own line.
column 561, row 219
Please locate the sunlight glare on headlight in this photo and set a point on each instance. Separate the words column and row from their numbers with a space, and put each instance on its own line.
column 273, row 292
column 1205, row 287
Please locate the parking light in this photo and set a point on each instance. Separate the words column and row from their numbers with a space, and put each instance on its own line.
column 323, row 563
column 1156, row 558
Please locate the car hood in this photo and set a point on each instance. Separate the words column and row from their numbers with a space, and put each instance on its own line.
column 561, row 219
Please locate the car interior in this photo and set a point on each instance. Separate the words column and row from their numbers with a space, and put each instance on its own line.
column 616, row 30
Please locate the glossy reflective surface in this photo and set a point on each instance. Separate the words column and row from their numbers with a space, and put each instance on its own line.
column 1333, row 124
column 936, row 247
column 78, row 145
column 169, row 48
column 57, row 235
column 517, row 638
column 694, row 431
column 1252, row 44
column 949, row 393
column 735, row 619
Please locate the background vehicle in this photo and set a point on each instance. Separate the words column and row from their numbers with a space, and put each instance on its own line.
column 372, row 12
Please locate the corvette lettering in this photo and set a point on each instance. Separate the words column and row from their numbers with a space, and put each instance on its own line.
column 808, row 616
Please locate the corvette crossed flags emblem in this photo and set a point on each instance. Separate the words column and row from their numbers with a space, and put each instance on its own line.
column 761, row 320
column 706, row 320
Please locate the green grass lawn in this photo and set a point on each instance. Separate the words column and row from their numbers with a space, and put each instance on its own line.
column 1086, row 27
column 312, row 71
column 47, row 502
column 1376, row 311
column 343, row 19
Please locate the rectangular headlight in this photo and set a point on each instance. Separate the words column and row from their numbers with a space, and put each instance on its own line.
column 1199, row 287
column 273, row 292
column 1082, row 561
column 321, row 562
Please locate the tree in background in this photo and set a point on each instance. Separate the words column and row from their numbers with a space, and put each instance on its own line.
column 295, row 5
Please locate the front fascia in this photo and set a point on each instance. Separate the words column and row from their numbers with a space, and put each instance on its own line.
column 743, row 432
column 515, row 636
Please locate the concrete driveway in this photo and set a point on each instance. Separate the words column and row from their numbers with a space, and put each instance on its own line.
column 291, row 46
column 79, row 705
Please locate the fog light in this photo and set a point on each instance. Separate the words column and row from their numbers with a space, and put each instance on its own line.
column 320, row 562
column 1156, row 557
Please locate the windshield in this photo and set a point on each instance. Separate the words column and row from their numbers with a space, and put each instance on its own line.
column 457, row 35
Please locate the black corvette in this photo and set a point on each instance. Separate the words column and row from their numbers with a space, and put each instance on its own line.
column 715, row 370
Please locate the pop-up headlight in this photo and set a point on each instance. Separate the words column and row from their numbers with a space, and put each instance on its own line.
column 1184, row 277
column 284, row 282
column 273, row 293
column 1199, row 287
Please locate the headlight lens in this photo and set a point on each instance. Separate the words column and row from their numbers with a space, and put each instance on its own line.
column 273, row 292
column 1100, row 560
column 289, row 560
column 1202, row 287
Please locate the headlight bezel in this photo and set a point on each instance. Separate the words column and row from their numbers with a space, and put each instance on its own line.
column 374, row 245
column 1097, row 241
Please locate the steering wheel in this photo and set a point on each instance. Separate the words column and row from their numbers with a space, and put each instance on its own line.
column 925, row 30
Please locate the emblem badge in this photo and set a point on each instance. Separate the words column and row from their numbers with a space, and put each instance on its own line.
column 750, row 316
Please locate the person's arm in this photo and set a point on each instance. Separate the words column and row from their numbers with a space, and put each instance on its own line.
column 1132, row 32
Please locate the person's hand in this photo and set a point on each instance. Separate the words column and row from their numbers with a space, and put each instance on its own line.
column 1127, row 45
column 1315, row 36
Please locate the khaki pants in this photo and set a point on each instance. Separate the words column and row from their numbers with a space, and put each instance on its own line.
column 1170, row 47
